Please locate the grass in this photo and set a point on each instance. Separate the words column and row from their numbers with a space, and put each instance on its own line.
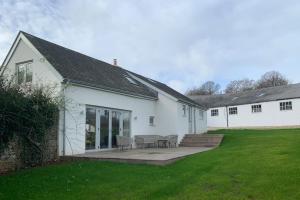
column 250, row 164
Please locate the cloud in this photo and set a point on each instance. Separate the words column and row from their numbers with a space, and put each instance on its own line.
column 181, row 43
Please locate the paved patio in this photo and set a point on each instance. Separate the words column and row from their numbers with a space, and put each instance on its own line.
column 155, row 156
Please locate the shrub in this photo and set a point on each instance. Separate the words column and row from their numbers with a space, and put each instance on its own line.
column 26, row 114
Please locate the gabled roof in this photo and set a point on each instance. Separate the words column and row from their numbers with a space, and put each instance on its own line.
column 168, row 90
column 254, row 96
column 81, row 69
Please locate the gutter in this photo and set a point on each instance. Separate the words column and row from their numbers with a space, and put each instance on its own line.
column 105, row 89
column 196, row 105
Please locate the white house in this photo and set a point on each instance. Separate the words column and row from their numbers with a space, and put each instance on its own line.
column 101, row 100
column 268, row 107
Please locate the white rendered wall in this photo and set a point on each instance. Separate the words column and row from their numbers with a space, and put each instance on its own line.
column 183, row 123
column 166, row 115
column 43, row 72
column 217, row 121
column 201, row 123
column 270, row 115
column 79, row 97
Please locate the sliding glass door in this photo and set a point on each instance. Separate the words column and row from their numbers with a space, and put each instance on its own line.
column 104, row 129
column 90, row 129
column 103, row 125
column 116, row 127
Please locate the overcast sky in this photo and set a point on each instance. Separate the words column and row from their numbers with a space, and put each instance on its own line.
column 181, row 43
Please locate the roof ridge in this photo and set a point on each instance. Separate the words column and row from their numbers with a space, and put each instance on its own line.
column 30, row 35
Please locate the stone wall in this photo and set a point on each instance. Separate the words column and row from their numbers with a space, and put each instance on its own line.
column 10, row 159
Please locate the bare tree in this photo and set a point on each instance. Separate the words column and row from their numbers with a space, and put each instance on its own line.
column 271, row 79
column 238, row 86
column 207, row 88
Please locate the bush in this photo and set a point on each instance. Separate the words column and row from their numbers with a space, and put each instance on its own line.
column 26, row 114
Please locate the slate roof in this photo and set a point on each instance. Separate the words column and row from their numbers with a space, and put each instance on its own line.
column 169, row 90
column 81, row 69
column 255, row 96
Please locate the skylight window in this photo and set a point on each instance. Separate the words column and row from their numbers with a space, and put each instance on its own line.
column 153, row 81
column 131, row 80
column 260, row 95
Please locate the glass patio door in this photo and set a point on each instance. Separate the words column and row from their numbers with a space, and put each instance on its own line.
column 116, row 127
column 104, row 129
column 90, row 129
column 103, row 125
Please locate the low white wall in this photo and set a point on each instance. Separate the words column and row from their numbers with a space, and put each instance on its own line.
column 271, row 116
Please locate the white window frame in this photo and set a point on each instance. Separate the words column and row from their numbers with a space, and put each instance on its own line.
column 151, row 120
column 214, row 112
column 286, row 105
column 28, row 68
column 233, row 110
column 256, row 108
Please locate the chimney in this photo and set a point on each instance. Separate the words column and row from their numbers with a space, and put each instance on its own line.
column 115, row 62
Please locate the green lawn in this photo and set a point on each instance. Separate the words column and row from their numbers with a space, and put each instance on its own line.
column 250, row 164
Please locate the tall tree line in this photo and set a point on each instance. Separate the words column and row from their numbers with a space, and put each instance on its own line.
column 269, row 79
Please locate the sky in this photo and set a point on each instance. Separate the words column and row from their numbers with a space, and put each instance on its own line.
column 182, row 43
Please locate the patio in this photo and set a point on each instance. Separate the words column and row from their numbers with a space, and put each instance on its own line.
column 154, row 156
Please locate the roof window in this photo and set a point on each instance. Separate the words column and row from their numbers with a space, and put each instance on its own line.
column 261, row 94
column 131, row 80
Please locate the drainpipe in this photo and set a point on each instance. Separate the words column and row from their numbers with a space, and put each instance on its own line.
column 227, row 121
column 195, row 121
column 64, row 126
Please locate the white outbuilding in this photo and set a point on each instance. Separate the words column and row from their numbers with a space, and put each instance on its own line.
column 264, row 108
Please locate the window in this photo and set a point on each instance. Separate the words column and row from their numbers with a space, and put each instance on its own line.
column 131, row 80
column 151, row 120
column 233, row 111
column 24, row 72
column 184, row 110
column 201, row 114
column 256, row 108
column 286, row 105
column 214, row 112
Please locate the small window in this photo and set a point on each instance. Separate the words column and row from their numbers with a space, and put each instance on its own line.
column 184, row 110
column 256, row 108
column 151, row 120
column 286, row 105
column 201, row 114
column 24, row 73
column 214, row 112
column 233, row 111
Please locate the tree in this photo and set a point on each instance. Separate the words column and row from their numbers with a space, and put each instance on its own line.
column 271, row 79
column 207, row 88
column 238, row 86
